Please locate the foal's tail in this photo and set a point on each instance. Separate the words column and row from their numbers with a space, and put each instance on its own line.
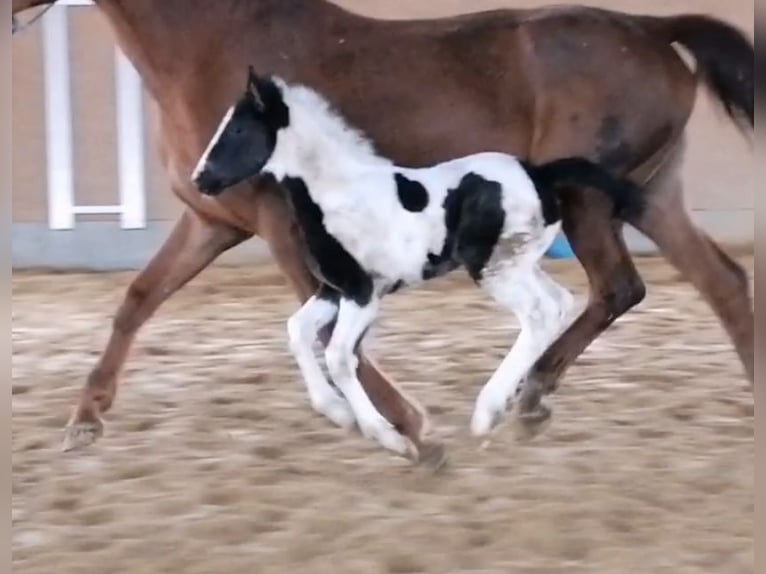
column 725, row 58
column 553, row 178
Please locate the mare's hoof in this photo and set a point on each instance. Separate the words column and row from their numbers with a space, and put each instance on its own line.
column 82, row 434
column 530, row 424
column 432, row 456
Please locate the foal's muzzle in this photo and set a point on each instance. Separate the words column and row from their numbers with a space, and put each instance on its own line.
column 207, row 183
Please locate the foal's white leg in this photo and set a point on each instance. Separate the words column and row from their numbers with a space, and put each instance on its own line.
column 302, row 330
column 542, row 307
column 353, row 321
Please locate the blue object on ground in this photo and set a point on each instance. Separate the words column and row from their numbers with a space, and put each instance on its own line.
column 560, row 249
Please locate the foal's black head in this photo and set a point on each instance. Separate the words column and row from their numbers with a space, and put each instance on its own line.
column 245, row 138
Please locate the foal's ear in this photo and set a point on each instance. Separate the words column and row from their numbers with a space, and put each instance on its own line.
column 252, row 86
column 252, row 77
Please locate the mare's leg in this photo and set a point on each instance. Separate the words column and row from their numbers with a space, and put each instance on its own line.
column 542, row 307
column 353, row 321
column 302, row 330
column 720, row 280
column 402, row 411
column 615, row 287
column 192, row 245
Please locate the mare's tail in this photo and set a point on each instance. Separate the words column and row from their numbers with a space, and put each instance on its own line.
column 553, row 177
column 725, row 58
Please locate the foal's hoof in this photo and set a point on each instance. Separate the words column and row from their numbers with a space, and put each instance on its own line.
column 530, row 424
column 486, row 418
column 82, row 434
column 432, row 456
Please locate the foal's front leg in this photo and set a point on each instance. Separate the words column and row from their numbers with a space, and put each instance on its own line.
column 353, row 321
column 302, row 330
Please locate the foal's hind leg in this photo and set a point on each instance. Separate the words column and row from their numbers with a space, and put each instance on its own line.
column 721, row 281
column 192, row 245
column 542, row 307
column 615, row 287
column 302, row 329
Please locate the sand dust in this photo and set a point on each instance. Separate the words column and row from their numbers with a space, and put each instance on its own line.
column 213, row 462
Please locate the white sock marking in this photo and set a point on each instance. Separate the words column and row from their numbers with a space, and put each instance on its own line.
column 302, row 329
column 542, row 306
column 353, row 320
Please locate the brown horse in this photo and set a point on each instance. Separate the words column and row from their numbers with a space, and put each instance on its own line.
column 540, row 84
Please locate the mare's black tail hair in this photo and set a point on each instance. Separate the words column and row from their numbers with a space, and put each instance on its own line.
column 725, row 58
column 553, row 177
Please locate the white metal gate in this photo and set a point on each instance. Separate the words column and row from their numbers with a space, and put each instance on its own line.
column 62, row 208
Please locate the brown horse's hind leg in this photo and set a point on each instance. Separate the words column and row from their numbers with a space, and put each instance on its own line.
column 192, row 245
column 615, row 287
column 403, row 412
column 720, row 280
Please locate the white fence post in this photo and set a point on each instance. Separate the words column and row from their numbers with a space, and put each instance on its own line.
column 130, row 143
column 59, row 141
column 58, row 119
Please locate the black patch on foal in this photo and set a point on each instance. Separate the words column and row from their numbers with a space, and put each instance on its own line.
column 546, row 191
column 578, row 173
column 276, row 113
column 412, row 195
column 332, row 264
column 474, row 218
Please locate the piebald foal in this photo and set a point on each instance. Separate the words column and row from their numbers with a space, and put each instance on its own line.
column 371, row 228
